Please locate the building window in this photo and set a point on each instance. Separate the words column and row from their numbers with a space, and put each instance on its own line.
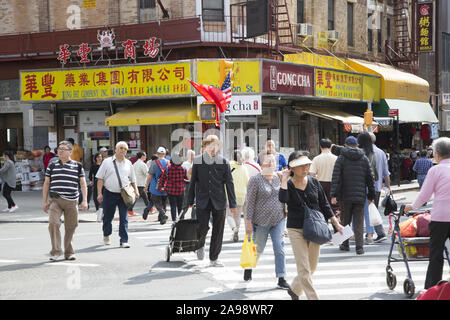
column 445, row 52
column 350, row 41
column 300, row 11
column 213, row 10
column 380, row 42
column 369, row 39
column 330, row 14
column 147, row 4
column 388, row 29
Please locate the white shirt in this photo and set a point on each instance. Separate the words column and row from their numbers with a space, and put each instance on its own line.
column 141, row 171
column 107, row 173
column 323, row 166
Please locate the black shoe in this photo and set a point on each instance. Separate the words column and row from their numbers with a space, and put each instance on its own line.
column 359, row 251
column 247, row 274
column 282, row 284
column 343, row 247
column 380, row 238
column 145, row 215
column 292, row 294
column 163, row 220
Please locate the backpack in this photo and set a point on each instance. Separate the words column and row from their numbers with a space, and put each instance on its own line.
column 441, row 291
column 373, row 165
column 161, row 182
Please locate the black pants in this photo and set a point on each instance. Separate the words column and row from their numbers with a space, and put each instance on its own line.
column 439, row 233
column 351, row 210
column 143, row 196
column 7, row 194
column 218, row 224
column 160, row 203
column 176, row 202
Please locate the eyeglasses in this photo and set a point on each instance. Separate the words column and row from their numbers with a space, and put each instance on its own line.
column 64, row 149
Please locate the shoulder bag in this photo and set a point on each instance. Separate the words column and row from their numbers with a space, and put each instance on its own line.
column 315, row 227
column 127, row 193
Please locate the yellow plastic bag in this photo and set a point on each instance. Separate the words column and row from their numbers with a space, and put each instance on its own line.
column 248, row 254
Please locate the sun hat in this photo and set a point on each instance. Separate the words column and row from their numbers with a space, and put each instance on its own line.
column 300, row 161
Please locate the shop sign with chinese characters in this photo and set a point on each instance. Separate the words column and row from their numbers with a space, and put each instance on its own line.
column 338, row 85
column 82, row 53
column 117, row 82
column 425, row 22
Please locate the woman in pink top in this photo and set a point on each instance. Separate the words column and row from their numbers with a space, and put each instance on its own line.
column 437, row 182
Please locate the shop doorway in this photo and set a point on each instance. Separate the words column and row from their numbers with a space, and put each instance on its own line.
column 11, row 132
column 241, row 132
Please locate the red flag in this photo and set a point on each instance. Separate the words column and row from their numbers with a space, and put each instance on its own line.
column 211, row 94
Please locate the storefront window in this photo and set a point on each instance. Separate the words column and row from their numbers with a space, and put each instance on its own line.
column 269, row 122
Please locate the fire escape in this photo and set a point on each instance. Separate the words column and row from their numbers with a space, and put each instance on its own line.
column 281, row 24
column 402, row 51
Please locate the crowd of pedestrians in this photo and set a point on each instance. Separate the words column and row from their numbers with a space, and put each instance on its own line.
column 269, row 193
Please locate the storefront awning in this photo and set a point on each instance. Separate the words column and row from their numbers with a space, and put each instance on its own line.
column 351, row 122
column 157, row 113
column 395, row 84
column 408, row 111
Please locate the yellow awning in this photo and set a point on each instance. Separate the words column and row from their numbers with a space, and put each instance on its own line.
column 395, row 84
column 157, row 113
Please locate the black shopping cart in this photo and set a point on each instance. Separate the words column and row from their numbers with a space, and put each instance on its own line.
column 184, row 236
column 411, row 249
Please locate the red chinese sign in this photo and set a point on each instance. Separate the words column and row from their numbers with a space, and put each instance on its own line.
column 106, row 38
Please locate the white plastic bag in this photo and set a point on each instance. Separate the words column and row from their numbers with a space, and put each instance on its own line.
column 374, row 215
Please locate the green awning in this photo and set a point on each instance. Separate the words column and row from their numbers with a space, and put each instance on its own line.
column 408, row 111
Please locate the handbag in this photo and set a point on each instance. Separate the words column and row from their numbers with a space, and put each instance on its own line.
column 374, row 215
column 127, row 193
column 249, row 256
column 315, row 227
column 390, row 205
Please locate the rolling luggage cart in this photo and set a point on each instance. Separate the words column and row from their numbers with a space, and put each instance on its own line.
column 184, row 236
column 418, row 253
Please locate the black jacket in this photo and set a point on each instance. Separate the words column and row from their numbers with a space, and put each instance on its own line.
column 209, row 177
column 313, row 196
column 352, row 174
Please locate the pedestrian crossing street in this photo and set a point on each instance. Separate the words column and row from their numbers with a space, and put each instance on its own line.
column 339, row 276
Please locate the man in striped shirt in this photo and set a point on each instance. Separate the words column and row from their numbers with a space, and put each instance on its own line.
column 62, row 181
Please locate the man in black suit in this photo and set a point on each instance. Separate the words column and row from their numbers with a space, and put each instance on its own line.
column 210, row 174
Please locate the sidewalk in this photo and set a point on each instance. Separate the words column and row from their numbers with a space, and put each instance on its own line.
column 30, row 210
column 30, row 207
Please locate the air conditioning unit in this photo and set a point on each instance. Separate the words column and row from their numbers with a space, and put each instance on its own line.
column 69, row 121
column 304, row 29
column 333, row 35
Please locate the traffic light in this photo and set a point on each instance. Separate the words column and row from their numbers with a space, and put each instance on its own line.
column 368, row 118
column 224, row 68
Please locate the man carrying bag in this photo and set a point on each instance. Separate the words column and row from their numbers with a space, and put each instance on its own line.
column 117, row 175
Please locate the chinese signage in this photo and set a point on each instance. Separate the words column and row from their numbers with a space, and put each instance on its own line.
column 425, row 26
column 106, row 39
column 106, row 83
column 241, row 105
column 338, row 85
column 89, row 4
column 287, row 79
column 322, row 40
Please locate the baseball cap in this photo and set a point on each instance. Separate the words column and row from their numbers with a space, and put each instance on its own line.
column 161, row 150
column 351, row 141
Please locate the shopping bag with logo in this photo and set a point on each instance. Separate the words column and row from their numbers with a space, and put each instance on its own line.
column 248, row 254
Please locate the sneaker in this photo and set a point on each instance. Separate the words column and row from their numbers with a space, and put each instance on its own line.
column 282, row 284
column 369, row 239
column 247, row 274
column 216, row 263
column 153, row 210
column 201, row 253
column 106, row 240
column 343, row 247
column 380, row 238
column 54, row 257
column 131, row 213
column 163, row 220
column 124, row 245
column 359, row 251
column 70, row 258
column 145, row 214
column 292, row 294
column 6, row 210
column 13, row 209
column 235, row 234
column 99, row 214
